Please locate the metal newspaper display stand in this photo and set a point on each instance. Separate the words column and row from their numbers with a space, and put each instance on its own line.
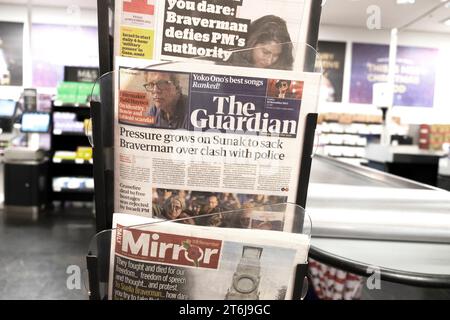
column 102, row 117
column 102, row 140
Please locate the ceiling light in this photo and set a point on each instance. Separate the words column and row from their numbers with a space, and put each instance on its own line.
column 406, row 1
column 446, row 22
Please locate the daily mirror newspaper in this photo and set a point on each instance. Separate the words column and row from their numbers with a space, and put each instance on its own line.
column 163, row 261
column 216, row 30
column 200, row 139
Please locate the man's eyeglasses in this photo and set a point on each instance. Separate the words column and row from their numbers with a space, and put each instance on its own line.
column 284, row 84
column 161, row 84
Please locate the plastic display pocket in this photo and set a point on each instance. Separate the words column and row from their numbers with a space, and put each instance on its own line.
column 250, row 255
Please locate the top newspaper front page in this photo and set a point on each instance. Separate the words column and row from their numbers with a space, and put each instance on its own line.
column 222, row 31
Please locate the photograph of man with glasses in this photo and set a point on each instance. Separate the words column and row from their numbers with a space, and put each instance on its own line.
column 168, row 104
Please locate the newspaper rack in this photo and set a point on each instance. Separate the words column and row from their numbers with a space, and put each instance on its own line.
column 293, row 217
column 101, row 135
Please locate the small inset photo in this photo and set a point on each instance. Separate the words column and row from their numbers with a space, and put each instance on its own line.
column 285, row 89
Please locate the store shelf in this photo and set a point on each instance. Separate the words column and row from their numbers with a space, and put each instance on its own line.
column 73, row 184
column 345, row 157
column 74, row 161
column 347, row 140
column 59, row 104
column 353, row 122
column 351, row 133
column 354, row 161
column 57, row 132
column 344, row 145
column 66, row 164
column 66, row 190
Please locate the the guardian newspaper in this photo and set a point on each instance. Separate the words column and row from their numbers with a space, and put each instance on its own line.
column 199, row 139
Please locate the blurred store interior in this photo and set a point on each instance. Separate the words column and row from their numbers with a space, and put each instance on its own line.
column 380, row 171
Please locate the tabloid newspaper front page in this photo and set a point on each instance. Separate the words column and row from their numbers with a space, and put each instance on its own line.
column 166, row 261
column 199, row 139
column 215, row 30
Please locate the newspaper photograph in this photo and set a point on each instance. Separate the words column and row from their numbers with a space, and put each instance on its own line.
column 214, row 207
column 199, row 135
column 164, row 261
column 249, row 33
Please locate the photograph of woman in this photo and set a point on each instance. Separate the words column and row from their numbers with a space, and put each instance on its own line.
column 268, row 46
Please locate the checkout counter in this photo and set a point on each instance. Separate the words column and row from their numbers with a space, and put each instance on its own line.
column 363, row 218
column 444, row 173
column 407, row 161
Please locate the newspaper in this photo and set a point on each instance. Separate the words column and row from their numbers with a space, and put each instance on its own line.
column 215, row 30
column 230, row 142
column 163, row 261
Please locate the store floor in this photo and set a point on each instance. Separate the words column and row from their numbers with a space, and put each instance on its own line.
column 35, row 256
